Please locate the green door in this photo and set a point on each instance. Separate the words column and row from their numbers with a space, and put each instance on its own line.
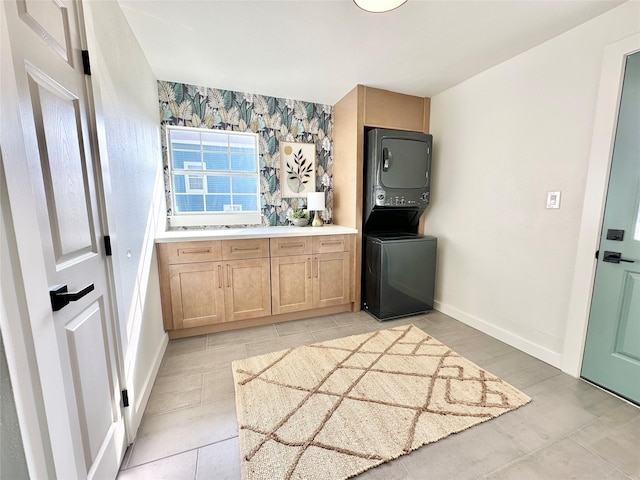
column 612, row 349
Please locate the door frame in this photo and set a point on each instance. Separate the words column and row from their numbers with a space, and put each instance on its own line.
column 601, row 155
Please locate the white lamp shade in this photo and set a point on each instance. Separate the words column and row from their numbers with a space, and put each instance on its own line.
column 378, row 6
column 315, row 201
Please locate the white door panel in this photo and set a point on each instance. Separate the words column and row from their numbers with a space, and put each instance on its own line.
column 57, row 119
column 91, row 368
column 49, row 20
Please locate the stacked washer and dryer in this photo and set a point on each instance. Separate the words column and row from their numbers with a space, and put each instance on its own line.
column 399, row 264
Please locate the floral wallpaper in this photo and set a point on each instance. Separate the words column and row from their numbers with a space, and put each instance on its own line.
column 274, row 119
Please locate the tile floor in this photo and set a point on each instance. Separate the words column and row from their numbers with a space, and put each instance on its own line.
column 570, row 429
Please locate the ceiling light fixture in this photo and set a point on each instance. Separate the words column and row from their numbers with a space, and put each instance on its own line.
column 379, row 6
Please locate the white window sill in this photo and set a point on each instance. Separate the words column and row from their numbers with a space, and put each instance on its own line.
column 220, row 219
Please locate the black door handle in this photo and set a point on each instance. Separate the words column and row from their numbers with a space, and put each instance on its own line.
column 60, row 296
column 615, row 257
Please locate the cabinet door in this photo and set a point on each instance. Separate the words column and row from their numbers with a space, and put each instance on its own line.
column 383, row 108
column 291, row 284
column 331, row 279
column 197, row 295
column 247, row 289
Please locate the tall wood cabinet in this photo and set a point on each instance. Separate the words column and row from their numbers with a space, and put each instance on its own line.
column 216, row 285
column 361, row 108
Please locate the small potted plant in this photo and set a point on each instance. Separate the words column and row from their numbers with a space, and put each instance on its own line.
column 299, row 218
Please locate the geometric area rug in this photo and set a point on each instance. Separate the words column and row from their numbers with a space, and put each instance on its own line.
column 334, row 409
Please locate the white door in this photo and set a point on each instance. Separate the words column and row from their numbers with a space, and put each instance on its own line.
column 52, row 184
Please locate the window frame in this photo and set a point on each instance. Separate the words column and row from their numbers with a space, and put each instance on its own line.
column 185, row 219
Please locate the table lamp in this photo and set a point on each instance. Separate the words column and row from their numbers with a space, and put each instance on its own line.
column 315, row 202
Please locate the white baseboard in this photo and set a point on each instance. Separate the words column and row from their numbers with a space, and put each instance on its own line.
column 541, row 353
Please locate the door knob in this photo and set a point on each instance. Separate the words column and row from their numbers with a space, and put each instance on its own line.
column 60, row 296
column 615, row 257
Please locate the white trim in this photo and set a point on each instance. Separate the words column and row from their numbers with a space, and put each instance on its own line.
column 604, row 128
column 538, row 351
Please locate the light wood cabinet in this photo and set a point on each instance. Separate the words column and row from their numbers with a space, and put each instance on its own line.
column 243, row 249
column 197, row 291
column 323, row 279
column 281, row 247
column 330, row 243
column 197, row 296
column 386, row 109
column 291, row 284
column 209, row 286
column 331, row 279
column 247, row 289
column 247, row 285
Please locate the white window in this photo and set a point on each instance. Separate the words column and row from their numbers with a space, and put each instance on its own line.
column 214, row 177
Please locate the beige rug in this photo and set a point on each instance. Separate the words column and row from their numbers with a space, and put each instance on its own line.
column 335, row 409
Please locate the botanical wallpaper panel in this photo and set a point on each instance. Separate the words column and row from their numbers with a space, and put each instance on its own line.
column 274, row 119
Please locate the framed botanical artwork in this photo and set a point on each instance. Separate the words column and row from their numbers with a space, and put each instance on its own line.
column 297, row 169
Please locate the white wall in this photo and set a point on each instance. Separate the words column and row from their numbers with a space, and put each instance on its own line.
column 502, row 140
column 129, row 132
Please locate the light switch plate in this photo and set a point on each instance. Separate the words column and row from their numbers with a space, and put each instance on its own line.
column 553, row 199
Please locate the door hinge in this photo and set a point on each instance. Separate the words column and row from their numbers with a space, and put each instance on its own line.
column 85, row 62
column 125, row 398
column 597, row 254
column 107, row 246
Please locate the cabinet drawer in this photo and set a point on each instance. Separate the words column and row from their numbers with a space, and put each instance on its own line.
column 281, row 247
column 330, row 243
column 239, row 249
column 191, row 252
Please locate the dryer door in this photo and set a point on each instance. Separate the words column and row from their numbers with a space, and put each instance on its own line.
column 405, row 163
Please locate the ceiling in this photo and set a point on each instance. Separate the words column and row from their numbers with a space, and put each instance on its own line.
column 318, row 50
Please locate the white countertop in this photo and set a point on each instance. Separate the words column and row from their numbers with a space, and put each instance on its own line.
column 259, row 232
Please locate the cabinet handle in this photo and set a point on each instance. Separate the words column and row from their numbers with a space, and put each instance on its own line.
column 228, row 275
column 317, row 267
column 309, row 260
column 219, row 276
column 194, row 252
column 244, row 249
column 291, row 245
column 335, row 242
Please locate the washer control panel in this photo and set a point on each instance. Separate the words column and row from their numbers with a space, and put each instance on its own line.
column 395, row 198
